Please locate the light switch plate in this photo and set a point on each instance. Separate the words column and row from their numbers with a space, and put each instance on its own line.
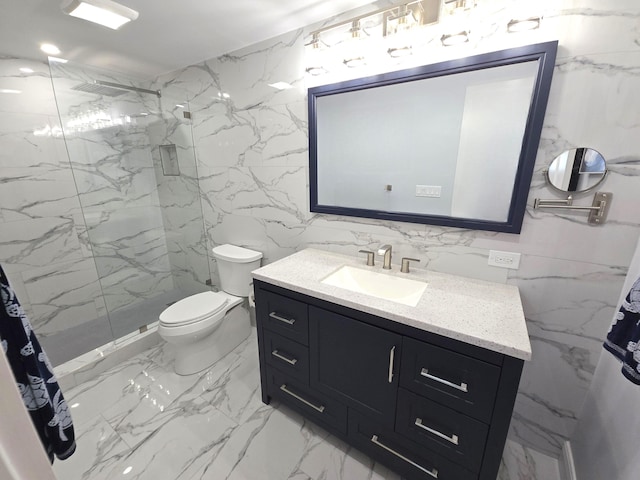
column 428, row 191
column 504, row 259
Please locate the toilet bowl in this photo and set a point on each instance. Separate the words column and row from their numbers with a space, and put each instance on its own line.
column 205, row 327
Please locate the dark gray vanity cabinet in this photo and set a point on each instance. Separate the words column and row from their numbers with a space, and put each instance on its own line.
column 427, row 406
column 361, row 374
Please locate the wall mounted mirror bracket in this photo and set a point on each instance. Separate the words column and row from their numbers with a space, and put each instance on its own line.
column 597, row 211
column 575, row 172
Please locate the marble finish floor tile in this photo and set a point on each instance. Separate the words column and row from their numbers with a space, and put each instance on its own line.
column 522, row 463
column 141, row 421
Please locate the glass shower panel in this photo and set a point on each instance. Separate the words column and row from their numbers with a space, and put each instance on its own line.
column 179, row 194
column 118, row 137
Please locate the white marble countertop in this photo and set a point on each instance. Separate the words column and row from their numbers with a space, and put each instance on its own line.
column 480, row 313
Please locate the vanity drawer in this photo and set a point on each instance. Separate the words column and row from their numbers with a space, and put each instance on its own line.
column 447, row 432
column 412, row 461
column 300, row 397
column 287, row 356
column 463, row 383
column 285, row 316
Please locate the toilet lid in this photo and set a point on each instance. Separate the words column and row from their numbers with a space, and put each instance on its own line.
column 235, row 254
column 193, row 309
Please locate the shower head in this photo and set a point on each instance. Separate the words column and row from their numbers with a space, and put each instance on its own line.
column 111, row 89
column 99, row 89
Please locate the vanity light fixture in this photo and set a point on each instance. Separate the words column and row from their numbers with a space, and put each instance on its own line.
column 452, row 39
column 26, row 70
column 313, row 53
column 523, row 24
column 397, row 52
column 9, row 90
column 355, row 56
column 358, row 47
column 398, row 28
column 103, row 12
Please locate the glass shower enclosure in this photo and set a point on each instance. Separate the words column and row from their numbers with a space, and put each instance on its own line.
column 133, row 162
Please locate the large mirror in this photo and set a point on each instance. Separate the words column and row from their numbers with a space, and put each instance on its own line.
column 451, row 144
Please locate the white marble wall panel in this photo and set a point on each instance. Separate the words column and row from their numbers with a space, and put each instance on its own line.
column 37, row 192
column 117, row 186
column 43, row 241
column 248, row 141
column 36, row 96
column 179, row 195
column 61, row 296
column 131, row 255
column 41, row 247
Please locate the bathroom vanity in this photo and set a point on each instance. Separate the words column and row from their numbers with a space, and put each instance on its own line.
column 426, row 388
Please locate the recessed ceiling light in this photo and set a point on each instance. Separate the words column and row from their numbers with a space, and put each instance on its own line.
column 26, row 70
column 103, row 12
column 9, row 90
column 281, row 85
column 50, row 49
column 58, row 60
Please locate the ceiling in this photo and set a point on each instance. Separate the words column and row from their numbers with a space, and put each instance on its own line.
column 168, row 34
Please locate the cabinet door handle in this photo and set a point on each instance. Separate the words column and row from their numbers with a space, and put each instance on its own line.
column 392, row 355
column 462, row 387
column 433, row 472
column 453, row 438
column 288, row 321
column 290, row 361
column 284, row 388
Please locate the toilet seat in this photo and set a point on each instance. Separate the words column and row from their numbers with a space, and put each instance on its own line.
column 194, row 309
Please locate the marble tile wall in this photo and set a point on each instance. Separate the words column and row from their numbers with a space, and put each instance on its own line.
column 41, row 244
column 252, row 163
column 89, row 227
column 110, row 153
column 179, row 195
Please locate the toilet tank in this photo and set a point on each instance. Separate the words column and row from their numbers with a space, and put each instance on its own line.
column 235, row 265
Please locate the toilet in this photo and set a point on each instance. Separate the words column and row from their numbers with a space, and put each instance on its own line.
column 205, row 327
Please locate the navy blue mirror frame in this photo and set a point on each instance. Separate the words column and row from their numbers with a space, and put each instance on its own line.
column 544, row 52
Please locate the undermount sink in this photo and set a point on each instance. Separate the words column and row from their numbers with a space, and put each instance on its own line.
column 380, row 285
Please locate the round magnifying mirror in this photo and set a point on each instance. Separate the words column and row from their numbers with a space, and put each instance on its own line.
column 577, row 170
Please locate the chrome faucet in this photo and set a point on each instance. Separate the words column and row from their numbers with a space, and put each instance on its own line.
column 386, row 251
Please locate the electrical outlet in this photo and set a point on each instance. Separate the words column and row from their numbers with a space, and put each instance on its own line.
column 428, row 191
column 504, row 259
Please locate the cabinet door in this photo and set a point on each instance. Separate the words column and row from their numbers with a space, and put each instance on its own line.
column 354, row 362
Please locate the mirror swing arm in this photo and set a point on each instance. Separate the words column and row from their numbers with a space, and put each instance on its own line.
column 597, row 211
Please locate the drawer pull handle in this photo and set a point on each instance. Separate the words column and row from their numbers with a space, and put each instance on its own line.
column 290, row 361
column 453, row 438
column 283, row 387
column 288, row 321
column 433, row 472
column 462, row 387
column 392, row 355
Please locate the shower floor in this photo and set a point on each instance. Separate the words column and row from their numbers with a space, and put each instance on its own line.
column 73, row 342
